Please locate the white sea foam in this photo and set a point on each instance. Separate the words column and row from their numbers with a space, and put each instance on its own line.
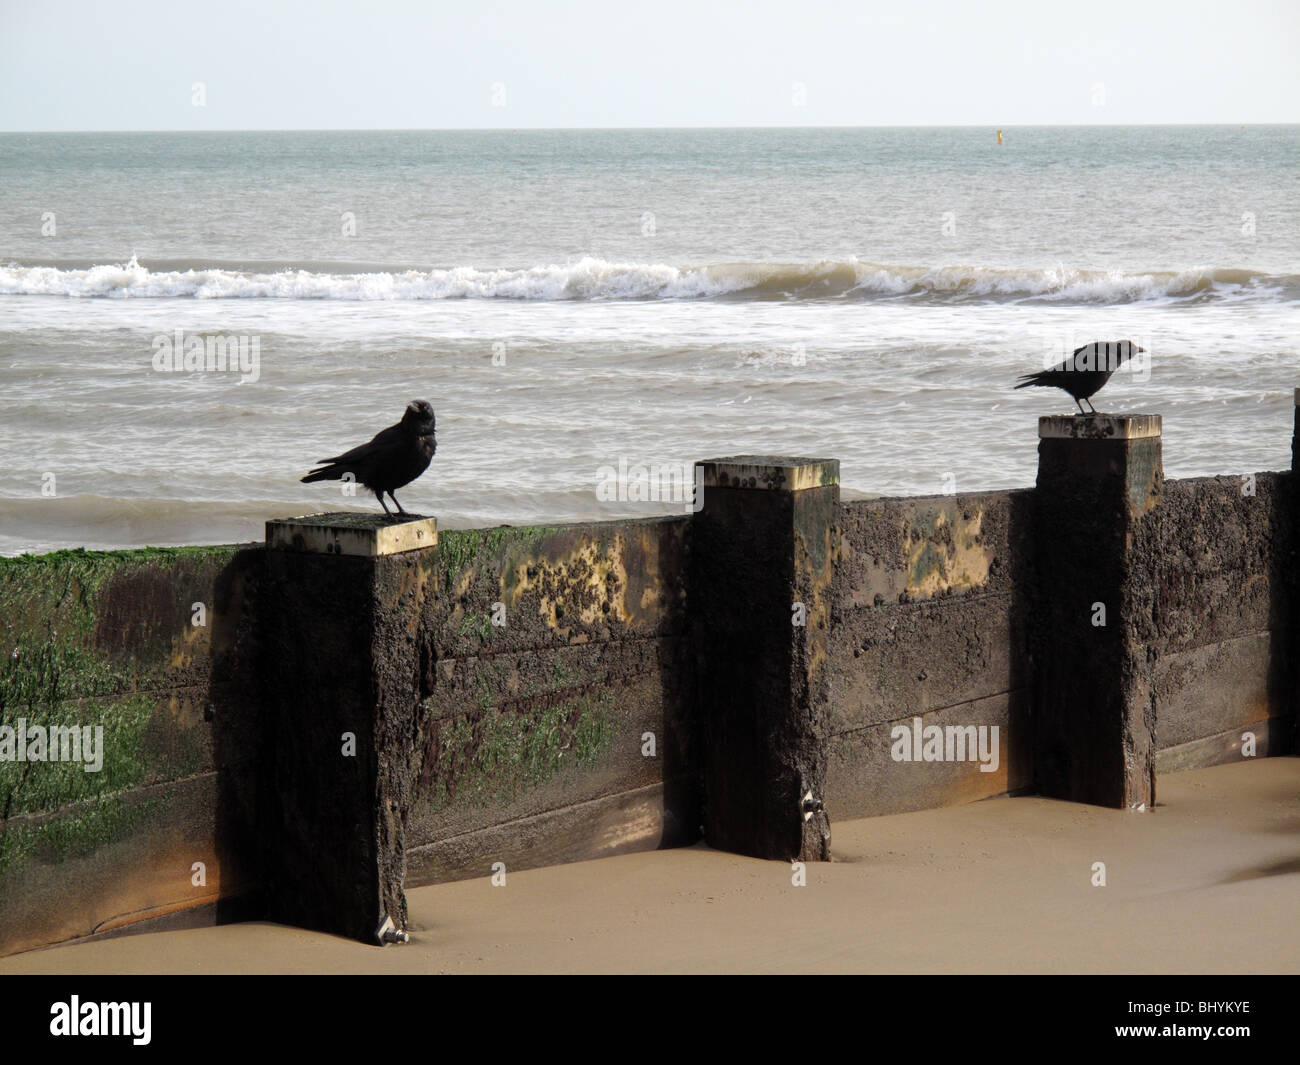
column 587, row 279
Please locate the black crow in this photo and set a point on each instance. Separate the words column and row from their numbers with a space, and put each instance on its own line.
column 1084, row 373
column 395, row 457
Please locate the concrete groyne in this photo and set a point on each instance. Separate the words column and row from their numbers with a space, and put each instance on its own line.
column 299, row 729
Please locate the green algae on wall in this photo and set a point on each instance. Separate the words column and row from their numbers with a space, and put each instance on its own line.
column 498, row 755
column 105, row 820
column 60, row 620
column 459, row 548
column 64, row 661
column 32, row 786
column 479, row 625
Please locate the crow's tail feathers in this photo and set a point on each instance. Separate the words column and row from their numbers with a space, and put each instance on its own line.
column 325, row 473
column 1031, row 379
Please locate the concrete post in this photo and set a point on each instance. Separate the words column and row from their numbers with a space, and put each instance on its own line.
column 1293, row 589
column 1099, row 478
column 764, row 548
column 343, row 676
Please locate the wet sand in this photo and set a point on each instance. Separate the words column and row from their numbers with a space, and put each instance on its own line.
column 1208, row 881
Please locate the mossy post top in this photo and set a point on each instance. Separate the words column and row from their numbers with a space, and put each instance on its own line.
column 769, row 472
column 352, row 533
column 1099, row 426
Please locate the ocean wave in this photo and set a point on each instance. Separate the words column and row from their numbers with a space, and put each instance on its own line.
column 597, row 279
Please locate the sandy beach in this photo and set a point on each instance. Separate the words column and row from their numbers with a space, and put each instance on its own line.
column 1204, row 883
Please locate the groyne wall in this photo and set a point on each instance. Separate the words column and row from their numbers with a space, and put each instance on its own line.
column 528, row 696
column 1220, row 563
column 931, row 624
column 127, row 648
column 557, row 727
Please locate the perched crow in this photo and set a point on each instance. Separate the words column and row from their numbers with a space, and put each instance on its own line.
column 1084, row 373
column 395, row 457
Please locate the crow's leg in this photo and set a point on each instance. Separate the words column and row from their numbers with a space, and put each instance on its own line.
column 380, row 497
column 1091, row 408
column 399, row 505
column 1079, row 405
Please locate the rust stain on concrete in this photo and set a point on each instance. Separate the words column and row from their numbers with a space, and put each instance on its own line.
column 821, row 580
column 587, row 585
column 191, row 641
column 945, row 552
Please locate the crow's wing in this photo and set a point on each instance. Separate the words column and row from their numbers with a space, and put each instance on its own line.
column 1071, row 364
column 386, row 440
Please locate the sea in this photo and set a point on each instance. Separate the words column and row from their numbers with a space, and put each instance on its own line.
column 189, row 321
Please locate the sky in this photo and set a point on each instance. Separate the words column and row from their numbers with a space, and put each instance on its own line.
column 455, row 64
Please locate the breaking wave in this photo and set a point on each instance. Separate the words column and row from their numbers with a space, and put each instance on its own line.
column 596, row 279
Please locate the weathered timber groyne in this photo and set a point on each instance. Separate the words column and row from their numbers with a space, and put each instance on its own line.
column 299, row 729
